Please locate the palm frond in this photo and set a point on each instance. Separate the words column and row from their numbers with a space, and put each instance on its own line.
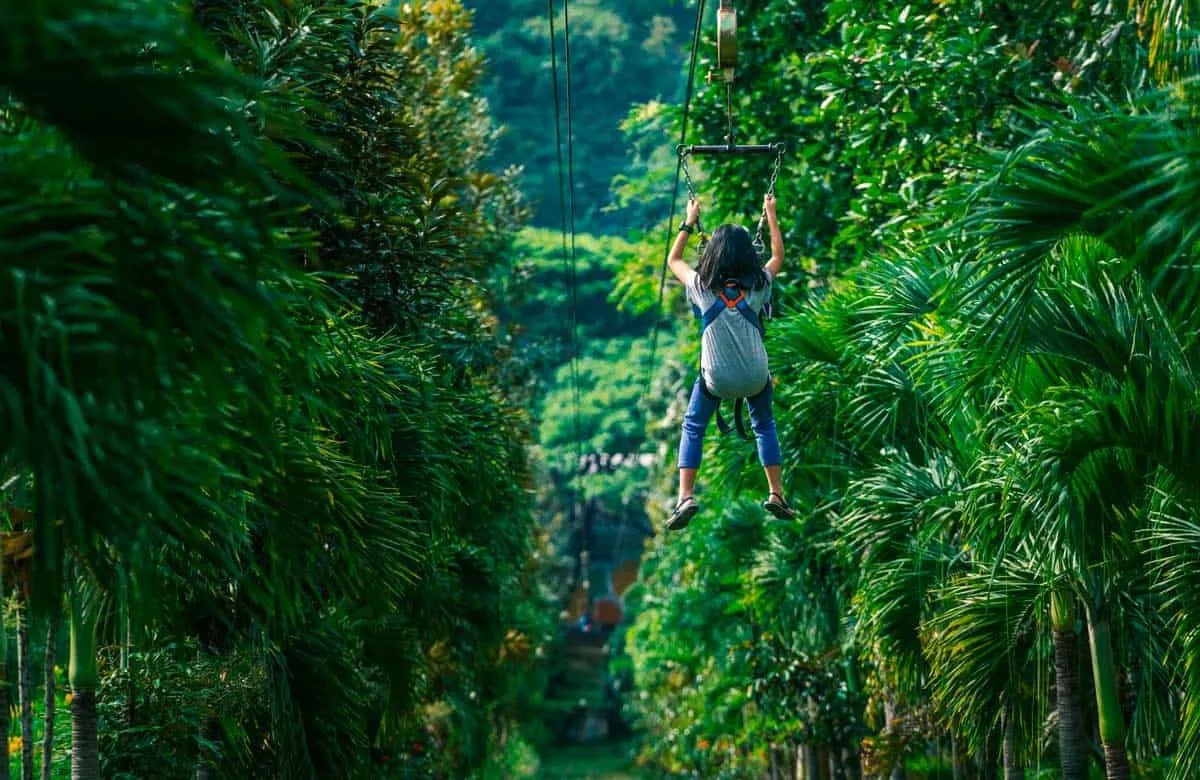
column 984, row 652
column 1127, row 179
column 896, row 525
column 1172, row 541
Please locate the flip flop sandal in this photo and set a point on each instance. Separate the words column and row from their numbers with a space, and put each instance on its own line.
column 780, row 509
column 685, row 510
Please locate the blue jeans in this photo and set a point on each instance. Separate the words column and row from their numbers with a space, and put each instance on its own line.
column 700, row 410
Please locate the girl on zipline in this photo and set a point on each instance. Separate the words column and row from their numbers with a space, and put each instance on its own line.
column 728, row 291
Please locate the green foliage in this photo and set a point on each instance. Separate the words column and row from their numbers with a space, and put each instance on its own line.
column 309, row 467
column 974, row 402
column 611, row 382
column 535, row 294
column 879, row 107
column 174, row 677
column 620, row 55
column 133, row 240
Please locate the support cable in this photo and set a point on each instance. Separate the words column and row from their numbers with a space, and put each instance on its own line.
column 567, row 265
column 574, row 279
column 662, row 282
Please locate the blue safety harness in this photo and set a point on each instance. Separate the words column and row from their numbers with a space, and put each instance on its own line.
column 730, row 296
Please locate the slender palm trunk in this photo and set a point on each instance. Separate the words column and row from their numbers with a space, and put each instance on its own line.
column 807, row 764
column 4, row 692
column 1013, row 770
column 1108, row 699
column 891, row 715
column 209, row 733
column 851, row 765
column 985, row 760
column 1129, row 690
column 1071, row 750
column 85, row 748
column 129, row 714
column 25, row 686
column 49, row 703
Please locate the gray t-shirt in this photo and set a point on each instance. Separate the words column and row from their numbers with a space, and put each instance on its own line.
column 733, row 358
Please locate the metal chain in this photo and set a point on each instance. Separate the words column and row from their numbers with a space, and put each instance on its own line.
column 687, row 179
column 687, row 175
column 729, row 112
column 759, row 245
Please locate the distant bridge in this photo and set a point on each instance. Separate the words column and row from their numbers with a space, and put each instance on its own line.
column 609, row 462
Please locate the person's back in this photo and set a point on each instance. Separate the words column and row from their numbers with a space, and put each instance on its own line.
column 733, row 358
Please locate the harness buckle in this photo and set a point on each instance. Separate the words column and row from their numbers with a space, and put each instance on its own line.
column 731, row 303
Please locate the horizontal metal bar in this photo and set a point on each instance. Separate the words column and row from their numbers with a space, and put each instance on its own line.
column 726, row 149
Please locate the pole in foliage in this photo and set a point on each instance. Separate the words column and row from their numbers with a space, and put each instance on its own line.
column 1108, row 700
column 25, row 684
column 85, row 747
column 49, row 703
column 4, row 695
column 1072, row 758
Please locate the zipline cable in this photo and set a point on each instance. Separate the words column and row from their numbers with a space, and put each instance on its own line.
column 585, row 552
column 662, row 282
column 567, row 199
column 571, row 207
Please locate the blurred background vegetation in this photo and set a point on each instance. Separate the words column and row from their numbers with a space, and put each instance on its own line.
column 350, row 506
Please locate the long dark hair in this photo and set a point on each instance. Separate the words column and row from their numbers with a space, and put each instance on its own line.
column 730, row 254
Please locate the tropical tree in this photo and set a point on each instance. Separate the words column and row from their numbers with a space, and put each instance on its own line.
column 983, row 412
column 302, row 507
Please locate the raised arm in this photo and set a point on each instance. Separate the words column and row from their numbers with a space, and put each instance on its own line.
column 775, row 264
column 675, row 260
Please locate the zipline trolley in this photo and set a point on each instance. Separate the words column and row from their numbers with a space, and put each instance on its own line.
column 727, row 52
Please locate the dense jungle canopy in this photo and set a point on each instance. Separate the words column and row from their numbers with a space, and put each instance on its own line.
column 340, row 391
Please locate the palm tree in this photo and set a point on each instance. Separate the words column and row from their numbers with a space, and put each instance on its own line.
column 173, row 213
column 50, row 702
column 185, row 215
column 83, row 676
column 1097, row 305
column 24, row 682
column 985, row 656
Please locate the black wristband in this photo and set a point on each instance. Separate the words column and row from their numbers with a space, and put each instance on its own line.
column 687, row 228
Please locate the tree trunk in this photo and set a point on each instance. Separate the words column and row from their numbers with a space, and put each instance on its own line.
column 49, row 703
column 1012, row 763
column 5, row 697
column 205, row 769
column 129, row 712
column 25, row 686
column 890, row 714
column 1073, row 757
column 824, row 766
column 837, row 764
column 985, row 760
column 812, row 767
column 85, row 747
column 956, row 760
column 1108, row 699
column 1129, row 691
column 851, row 765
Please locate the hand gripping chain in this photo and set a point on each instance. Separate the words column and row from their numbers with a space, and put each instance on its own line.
column 687, row 179
column 759, row 244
